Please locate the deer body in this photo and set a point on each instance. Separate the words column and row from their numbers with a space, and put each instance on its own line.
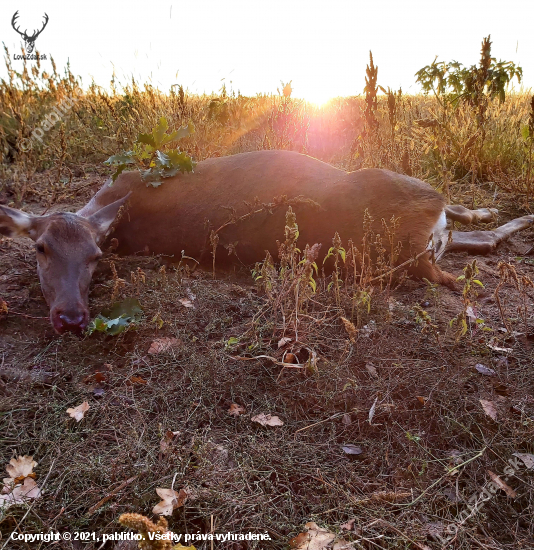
column 181, row 213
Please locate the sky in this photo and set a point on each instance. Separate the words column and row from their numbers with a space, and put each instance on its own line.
column 252, row 46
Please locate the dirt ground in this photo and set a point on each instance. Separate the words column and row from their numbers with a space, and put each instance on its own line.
column 413, row 410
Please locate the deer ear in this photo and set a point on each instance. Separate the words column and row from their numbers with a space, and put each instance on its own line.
column 102, row 219
column 15, row 223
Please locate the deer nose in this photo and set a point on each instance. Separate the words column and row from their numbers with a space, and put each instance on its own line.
column 70, row 321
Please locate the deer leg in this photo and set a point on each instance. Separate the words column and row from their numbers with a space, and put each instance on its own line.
column 465, row 216
column 483, row 242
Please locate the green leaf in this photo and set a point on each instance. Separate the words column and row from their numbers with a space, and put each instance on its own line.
column 147, row 139
column 122, row 158
column 525, row 132
column 120, row 169
column 163, row 159
column 120, row 317
column 183, row 132
column 159, row 131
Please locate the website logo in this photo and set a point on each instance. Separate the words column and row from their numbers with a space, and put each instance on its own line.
column 29, row 39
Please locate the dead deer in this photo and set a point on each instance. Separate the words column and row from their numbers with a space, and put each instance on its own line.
column 181, row 213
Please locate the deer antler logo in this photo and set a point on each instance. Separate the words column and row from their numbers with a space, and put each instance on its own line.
column 29, row 40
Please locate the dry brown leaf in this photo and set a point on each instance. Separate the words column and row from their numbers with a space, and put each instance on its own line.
column 352, row 331
column 137, row 380
column 421, row 399
column 171, row 501
column 21, row 493
column 502, row 485
column 351, row 449
column 100, row 377
column 349, row 526
column 528, row 459
column 235, row 410
column 489, row 408
column 78, row 412
column 371, row 369
column 186, row 302
column 267, row 420
column 165, row 443
column 21, row 467
column 160, row 345
column 299, row 540
column 346, row 420
column 291, row 358
column 434, row 529
column 314, row 539
column 283, row 341
column 482, row 369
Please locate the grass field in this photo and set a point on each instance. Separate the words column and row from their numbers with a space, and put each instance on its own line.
column 411, row 400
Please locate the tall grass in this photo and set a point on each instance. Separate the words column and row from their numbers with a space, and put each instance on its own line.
column 409, row 133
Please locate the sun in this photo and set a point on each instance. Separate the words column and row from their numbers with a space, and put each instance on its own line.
column 317, row 95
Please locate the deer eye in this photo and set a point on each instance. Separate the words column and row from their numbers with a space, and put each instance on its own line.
column 39, row 247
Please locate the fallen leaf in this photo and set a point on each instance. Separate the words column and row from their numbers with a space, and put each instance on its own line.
column 489, row 408
column 346, row 420
column 21, row 467
column 371, row 369
column 421, row 399
column 78, row 412
column 485, row 370
column 171, row 501
column 349, row 526
column 120, row 317
column 352, row 331
column 291, row 358
column 137, row 380
column 470, row 313
column 100, row 377
column 28, row 490
column 186, row 302
column 500, row 389
column 235, row 410
column 528, row 459
column 267, row 420
column 160, row 345
column 283, row 341
column 434, row 529
column 316, row 538
column 502, row 485
column 351, row 449
column 166, row 443
column 372, row 411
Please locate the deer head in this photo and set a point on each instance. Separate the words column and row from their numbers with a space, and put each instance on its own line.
column 67, row 248
column 29, row 40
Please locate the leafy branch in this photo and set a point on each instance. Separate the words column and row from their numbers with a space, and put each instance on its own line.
column 150, row 159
